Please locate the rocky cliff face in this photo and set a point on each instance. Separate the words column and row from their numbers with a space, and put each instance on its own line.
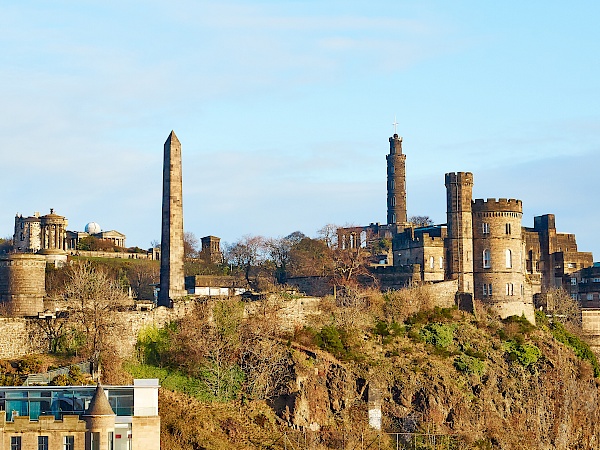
column 494, row 385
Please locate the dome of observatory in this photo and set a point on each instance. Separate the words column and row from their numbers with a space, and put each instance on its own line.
column 92, row 228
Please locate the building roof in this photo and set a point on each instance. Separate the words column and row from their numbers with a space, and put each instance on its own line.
column 99, row 405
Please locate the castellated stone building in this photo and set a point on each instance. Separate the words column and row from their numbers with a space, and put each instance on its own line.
column 483, row 246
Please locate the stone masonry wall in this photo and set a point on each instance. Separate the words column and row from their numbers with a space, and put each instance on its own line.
column 20, row 337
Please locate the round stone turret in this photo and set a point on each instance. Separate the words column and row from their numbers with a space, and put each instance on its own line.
column 22, row 283
column 498, row 256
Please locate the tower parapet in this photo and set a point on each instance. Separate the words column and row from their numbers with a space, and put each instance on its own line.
column 500, row 205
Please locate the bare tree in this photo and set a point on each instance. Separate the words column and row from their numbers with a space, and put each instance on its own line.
column 279, row 250
column 6, row 244
column 141, row 275
column 94, row 298
column 328, row 234
column 565, row 309
column 246, row 254
column 190, row 245
column 420, row 221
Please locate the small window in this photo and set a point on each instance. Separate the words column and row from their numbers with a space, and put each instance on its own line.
column 15, row 443
column 574, row 296
column 507, row 228
column 441, row 262
column 487, row 263
column 508, row 259
column 573, row 281
column 590, row 297
column 596, row 280
column 487, row 290
column 485, row 228
column 111, row 440
column 431, row 262
column 42, row 442
column 69, row 443
column 393, row 184
column 95, row 441
column 509, row 289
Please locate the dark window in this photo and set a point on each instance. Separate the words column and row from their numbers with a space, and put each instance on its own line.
column 69, row 443
column 42, row 442
column 15, row 443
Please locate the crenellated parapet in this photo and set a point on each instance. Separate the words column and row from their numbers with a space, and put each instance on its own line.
column 492, row 205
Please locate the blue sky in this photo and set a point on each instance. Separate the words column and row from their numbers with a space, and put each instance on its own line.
column 284, row 110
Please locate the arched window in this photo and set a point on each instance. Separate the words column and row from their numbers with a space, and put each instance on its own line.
column 487, row 260
column 431, row 262
column 441, row 262
column 508, row 259
column 393, row 201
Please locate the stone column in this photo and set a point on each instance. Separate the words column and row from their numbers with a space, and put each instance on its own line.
column 171, row 262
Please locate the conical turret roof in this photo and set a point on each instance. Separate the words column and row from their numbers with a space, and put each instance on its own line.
column 99, row 405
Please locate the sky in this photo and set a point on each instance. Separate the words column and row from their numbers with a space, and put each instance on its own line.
column 284, row 110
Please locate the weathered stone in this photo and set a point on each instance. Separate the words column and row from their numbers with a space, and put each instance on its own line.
column 171, row 264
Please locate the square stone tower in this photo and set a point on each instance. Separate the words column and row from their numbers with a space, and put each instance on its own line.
column 171, row 261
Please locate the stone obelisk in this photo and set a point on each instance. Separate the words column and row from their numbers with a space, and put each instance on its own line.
column 171, row 259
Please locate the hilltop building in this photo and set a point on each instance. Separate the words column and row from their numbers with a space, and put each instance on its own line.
column 93, row 229
column 45, row 235
column 483, row 246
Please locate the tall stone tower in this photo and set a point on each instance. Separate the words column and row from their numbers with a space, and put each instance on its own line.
column 172, row 283
column 459, row 244
column 396, row 183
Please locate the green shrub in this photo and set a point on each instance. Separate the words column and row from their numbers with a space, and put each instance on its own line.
column 387, row 330
column 30, row 364
column 526, row 354
column 581, row 349
column 468, row 364
column 436, row 314
column 154, row 343
column 438, row 334
column 330, row 339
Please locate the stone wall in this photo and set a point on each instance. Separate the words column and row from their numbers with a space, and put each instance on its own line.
column 444, row 293
column 20, row 337
column 121, row 255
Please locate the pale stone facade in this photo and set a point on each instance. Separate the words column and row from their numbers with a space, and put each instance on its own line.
column 45, row 235
column 66, row 418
